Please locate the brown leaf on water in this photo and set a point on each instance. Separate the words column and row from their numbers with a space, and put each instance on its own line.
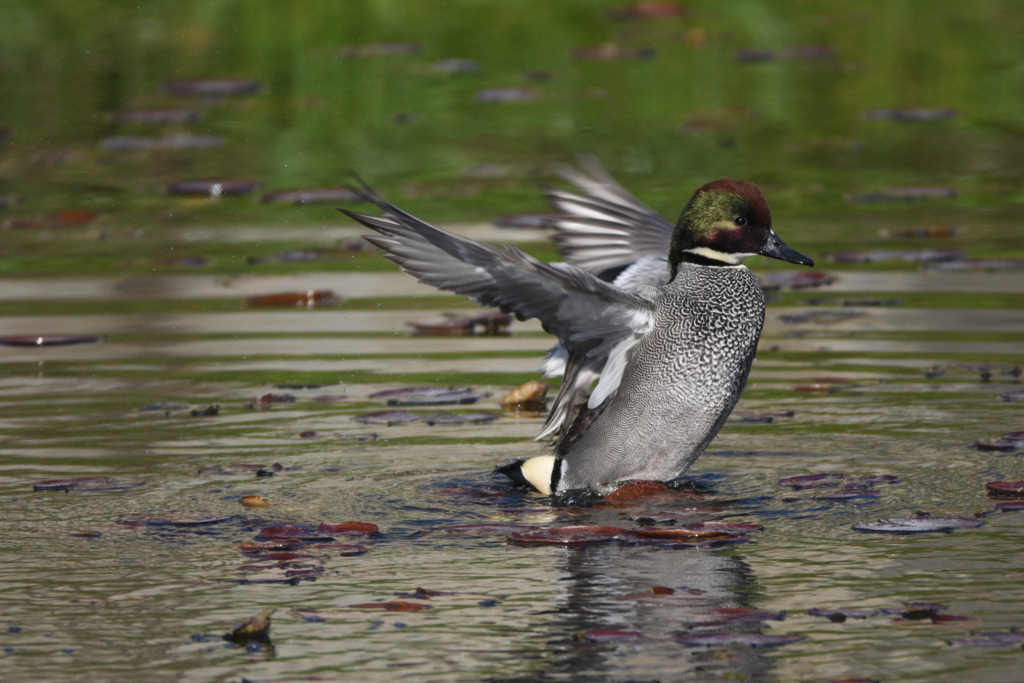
column 257, row 628
column 393, row 606
column 313, row 298
column 529, row 394
column 254, row 501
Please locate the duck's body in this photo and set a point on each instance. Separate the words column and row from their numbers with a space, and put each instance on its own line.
column 672, row 346
column 679, row 384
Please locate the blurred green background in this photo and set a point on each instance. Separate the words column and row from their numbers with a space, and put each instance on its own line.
column 669, row 96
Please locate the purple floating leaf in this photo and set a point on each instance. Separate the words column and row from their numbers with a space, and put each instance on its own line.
column 1011, row 506
column 1002, row 446
column 812, row 480
column 1012, row 436
column 1017, row 395
column 83, row 484
column 1006, row 487
column 915, row 525
column 748, row 639
column 389, row 417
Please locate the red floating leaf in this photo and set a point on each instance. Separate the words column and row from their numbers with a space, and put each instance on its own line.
column 584, row 534
column 1013, row 436
column 916, row 525
column 347, row 529
column 812, row 480
column 637, row 490
column 393, row 606
column 748, row 639
column 662, row 590
column 310, row 299
column 47, row 340
column 611, row 636
column 1006, row 487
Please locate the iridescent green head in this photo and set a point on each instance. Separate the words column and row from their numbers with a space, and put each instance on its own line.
column 725, row 222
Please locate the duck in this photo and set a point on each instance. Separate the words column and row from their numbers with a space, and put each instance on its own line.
column 669, row 340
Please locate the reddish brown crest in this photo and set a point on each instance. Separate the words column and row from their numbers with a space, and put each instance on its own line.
column 749, row 191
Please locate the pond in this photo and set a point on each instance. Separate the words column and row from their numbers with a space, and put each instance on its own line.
column 887, row 138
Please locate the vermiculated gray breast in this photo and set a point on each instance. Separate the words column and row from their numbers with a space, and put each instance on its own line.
column 680, row 384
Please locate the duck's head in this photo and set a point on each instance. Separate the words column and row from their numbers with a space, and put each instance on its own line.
column 725, row 222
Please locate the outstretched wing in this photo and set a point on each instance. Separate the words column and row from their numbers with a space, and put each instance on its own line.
column 591, row 318
column 607, row 228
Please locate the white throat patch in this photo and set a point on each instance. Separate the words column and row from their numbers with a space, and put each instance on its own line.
column 715, row 255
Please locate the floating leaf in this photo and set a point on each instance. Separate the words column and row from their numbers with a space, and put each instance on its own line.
column 1001, row 446
column 347, row 529
column 430, row 396
column 915, row 525
column 254, row 501
column 812, row 480
column 584, row 534
column 389, row 417
column 1006, row 487
column 637, row 490
column 208, row 411
column 256, row 628
column 47, row 340
column 1017, row 395
column 1011, row 506
column 676, row 533
column 748, row 639
column 318, row 298
column 529, row 393
column 393, row 606
column 267, row 400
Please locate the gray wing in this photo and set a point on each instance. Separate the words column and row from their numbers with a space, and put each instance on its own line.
column 590, row 317
column 607, row 227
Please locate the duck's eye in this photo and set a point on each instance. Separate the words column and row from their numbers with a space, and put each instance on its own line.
column 740, row 220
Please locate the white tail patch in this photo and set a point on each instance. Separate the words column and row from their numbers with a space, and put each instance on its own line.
column 538, row 472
